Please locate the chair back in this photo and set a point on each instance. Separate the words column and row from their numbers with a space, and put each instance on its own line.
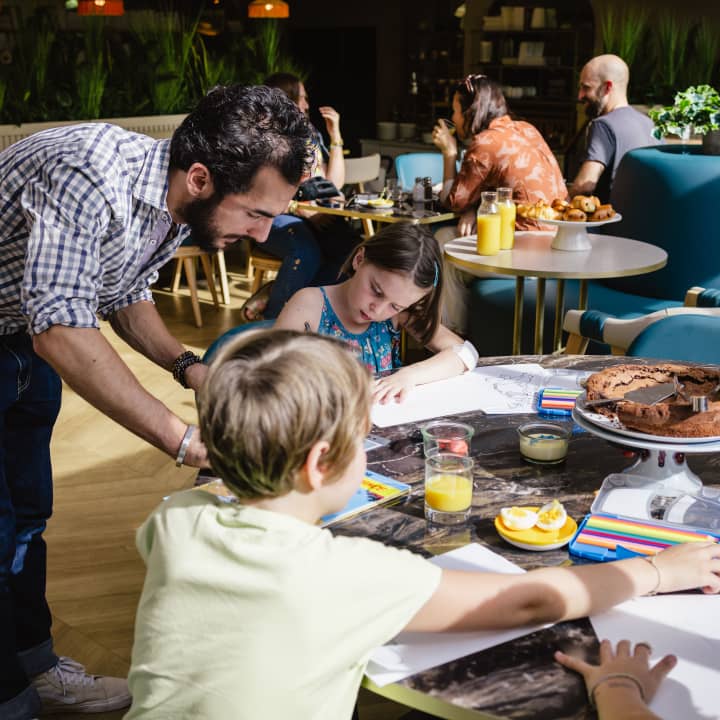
column 361, row 170
column 688, row 338
column 411, row 165
column 668, row 196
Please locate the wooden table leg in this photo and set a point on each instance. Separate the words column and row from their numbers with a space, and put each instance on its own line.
column 367, row 227
column 559, row 312
column 518, row 314
column 539, row 315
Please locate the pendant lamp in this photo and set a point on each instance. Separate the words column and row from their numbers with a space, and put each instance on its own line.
column 268, row 9
column 101, row 7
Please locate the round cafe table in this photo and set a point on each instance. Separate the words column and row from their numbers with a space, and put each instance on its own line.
column 609, row 256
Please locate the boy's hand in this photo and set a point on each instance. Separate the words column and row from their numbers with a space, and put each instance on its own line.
column 393, row 387
column 689, row 566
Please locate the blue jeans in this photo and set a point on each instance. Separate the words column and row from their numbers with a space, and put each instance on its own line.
column 29, row 405
column 310, row 256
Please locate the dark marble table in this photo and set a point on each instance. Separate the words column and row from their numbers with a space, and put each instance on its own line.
column 519, row 679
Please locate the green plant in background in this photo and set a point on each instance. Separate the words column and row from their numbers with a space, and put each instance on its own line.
column 703, row 60
column 697, row 108
column 266, row 55
column 167, row 40
column 91, row 73
column 670, row 41
column 212, row 68
column 623, row 30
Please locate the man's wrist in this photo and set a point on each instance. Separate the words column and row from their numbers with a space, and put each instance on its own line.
column 181, row 363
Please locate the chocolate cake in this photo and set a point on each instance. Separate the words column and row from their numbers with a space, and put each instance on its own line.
column 673, row 417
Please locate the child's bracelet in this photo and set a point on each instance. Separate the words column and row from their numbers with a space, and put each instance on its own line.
column 611, row 676
column 651, row 559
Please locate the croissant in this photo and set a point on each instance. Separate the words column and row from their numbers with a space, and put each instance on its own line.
column 574, row 215
column 559, row 204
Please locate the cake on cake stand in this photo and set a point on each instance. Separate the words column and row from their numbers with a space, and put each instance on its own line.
column 661, row 459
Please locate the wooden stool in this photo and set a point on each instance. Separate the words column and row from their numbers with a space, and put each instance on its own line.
column 185, row 257
column 258, row 264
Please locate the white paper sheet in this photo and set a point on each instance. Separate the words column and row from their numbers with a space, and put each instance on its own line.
column 410, row 653
column 493, row 389
column 687, row 626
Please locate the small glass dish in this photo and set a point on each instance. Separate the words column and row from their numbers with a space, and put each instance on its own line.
column 544, row 443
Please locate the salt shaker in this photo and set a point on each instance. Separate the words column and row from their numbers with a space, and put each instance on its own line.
column 418, row 194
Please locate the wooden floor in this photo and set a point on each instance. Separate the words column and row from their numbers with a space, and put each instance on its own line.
column 106, row 482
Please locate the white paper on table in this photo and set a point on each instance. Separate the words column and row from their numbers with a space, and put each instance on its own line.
column 495, row 389
column 413, row 652
column 687, row 626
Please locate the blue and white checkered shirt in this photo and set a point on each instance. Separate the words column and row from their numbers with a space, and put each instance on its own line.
column 80, row 209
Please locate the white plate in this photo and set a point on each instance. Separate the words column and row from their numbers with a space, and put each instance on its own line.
column 615, row 426
column 617, row 217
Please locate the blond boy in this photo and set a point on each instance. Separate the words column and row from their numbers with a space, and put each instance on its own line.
column 250, row 610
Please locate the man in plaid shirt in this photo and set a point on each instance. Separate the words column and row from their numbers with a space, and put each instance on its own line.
column 88, row 215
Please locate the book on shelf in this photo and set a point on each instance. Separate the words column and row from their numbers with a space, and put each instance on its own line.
column 375, row 489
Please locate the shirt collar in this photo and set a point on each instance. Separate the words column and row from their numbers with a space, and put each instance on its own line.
column 151, row 185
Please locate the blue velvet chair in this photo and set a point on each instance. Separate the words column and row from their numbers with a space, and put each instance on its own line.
column 412, row 165
column 230, row 334
column 667, row 196
column 689, row 333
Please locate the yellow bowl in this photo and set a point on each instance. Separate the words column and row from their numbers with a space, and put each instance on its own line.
column 380, row 203
column 534, row 538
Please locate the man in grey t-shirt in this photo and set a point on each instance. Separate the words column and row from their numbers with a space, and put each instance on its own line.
column 615, row 129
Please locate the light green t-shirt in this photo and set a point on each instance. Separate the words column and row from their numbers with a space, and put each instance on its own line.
column 247, row 613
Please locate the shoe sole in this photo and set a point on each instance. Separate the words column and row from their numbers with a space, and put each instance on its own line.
column 95, row 706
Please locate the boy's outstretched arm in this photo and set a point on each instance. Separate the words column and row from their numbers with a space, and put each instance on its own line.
column 483, row 601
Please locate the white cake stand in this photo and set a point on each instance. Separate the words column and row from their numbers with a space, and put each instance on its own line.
column 573, row 236
column 662, row 461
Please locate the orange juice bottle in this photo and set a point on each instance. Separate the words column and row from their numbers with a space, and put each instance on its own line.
column 488, row 224
column 508, row 211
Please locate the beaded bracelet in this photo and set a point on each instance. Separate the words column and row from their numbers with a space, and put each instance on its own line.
column 182, row 450
column 611, row 676
column 182, row 363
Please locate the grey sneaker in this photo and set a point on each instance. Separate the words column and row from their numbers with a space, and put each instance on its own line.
column 68, row 688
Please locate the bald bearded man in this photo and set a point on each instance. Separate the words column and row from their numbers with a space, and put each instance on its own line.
column 615, row 127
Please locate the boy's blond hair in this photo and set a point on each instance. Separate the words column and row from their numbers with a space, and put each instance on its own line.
column 271, row 395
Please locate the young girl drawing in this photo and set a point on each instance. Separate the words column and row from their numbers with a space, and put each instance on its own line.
column 395, row 282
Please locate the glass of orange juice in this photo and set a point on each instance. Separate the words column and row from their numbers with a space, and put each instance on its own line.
column 448, row 488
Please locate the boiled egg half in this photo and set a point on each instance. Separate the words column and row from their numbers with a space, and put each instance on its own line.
column 551, row 516
column 518, row 518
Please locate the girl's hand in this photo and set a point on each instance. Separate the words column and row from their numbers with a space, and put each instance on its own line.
column 689, row 566
column 393, row 387
column 443, row 140
column 332, row 122
column 467, row 224
column 636, row 664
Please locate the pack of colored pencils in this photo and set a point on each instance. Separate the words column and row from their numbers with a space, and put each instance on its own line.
column 608, row 537
column 557, row 401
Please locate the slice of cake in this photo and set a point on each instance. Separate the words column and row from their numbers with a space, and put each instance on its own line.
column 673, row 417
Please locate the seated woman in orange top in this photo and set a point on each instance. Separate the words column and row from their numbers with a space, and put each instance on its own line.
column 501, row 152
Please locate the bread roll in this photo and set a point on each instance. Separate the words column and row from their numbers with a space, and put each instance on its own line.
column 574, row 215
column 561, row 205
column 585, row 203
column 604, row 212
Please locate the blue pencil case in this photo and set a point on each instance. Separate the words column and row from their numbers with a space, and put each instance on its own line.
column 557, row 402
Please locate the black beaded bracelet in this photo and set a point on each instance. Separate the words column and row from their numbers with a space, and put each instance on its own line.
column 182, row 363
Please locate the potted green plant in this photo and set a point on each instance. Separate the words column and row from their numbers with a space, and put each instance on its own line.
column 696, row 109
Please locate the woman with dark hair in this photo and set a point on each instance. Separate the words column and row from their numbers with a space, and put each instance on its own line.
column 312, row 247
column 501, row 152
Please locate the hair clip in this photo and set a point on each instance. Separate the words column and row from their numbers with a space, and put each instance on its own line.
column 470, row 82
column 437, row 274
